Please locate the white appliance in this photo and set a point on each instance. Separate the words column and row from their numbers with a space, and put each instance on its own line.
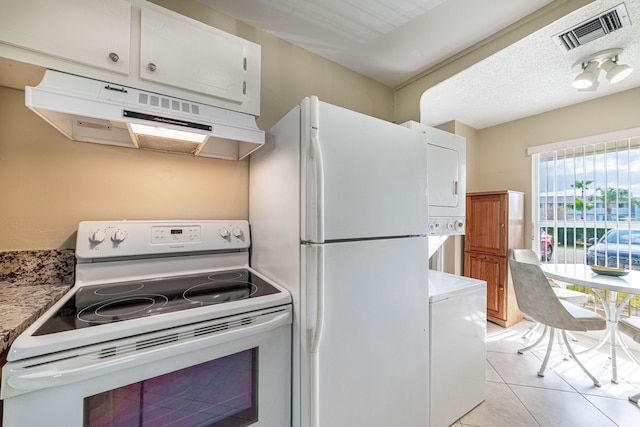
column 457, row 346
column 338, row 211
column 447, row 180
column 95, row 111
column 166, row 325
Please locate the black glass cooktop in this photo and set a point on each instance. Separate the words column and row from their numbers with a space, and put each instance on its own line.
column 101, row 304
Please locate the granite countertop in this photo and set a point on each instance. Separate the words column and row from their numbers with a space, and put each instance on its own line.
column 30, row 283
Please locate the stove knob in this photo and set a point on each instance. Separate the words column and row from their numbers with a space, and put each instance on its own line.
column 97, row 236
column 224, row 233
column 237, row 232
column 118, row 236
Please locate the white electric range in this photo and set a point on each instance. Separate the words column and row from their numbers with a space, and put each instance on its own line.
column 166, row 325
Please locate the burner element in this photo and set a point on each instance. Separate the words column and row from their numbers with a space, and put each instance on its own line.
column 115, row 309
column 94, row 305
column 226, row 275
column 215, row 292
column 117, row 290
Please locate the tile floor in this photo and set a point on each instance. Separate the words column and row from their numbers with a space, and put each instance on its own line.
column 564, row 397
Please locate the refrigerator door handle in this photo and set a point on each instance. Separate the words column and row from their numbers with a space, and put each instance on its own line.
column 316, row 337
column 318, row 318
column 318, row 164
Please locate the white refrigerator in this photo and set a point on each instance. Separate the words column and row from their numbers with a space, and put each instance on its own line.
column 338, row 210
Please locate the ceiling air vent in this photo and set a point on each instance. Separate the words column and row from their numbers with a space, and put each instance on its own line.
column 594, row 28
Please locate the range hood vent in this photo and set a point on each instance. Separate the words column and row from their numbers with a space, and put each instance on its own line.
column 596, row 27
column 105, row 113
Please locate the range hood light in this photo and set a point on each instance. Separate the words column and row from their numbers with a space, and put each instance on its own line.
column 90, row 110
column 167, row 133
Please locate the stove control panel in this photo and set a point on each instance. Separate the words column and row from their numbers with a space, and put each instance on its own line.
column 164, row 234
column 107, row 239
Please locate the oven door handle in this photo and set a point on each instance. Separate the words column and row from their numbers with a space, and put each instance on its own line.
column 51, row 378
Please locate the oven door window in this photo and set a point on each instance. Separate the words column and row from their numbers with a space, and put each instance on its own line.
column 218, row 393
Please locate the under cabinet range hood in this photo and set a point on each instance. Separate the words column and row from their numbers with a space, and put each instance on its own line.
column 94, row 111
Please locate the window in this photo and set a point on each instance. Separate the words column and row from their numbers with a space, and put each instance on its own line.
column 583, row 192
column 586, row 196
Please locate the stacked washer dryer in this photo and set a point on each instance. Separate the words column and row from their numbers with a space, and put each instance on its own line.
column 457, row 304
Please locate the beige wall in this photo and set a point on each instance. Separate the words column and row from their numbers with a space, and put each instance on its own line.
column 501, row 161
column 49, row 183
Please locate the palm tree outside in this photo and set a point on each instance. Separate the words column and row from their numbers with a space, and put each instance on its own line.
column 615, row 196
column 581, row 204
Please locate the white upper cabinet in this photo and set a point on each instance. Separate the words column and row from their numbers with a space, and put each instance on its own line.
column 137, row 44
column 91, row 32
column 444, row 176
column 198, row 58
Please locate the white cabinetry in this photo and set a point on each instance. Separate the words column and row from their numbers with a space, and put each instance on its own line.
column 137, row 44
column 176, row 53
column 90, row 32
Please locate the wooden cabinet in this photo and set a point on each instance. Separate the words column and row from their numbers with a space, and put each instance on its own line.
column 96, row 33
column 495, row 225
column 137, row 44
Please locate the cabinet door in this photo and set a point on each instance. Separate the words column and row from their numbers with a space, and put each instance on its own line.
column 486, row 224
column 202, row 59
column 89, row 32
column 444, row 176
column 493, row 270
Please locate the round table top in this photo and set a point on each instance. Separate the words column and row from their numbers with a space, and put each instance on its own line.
column 579, row 274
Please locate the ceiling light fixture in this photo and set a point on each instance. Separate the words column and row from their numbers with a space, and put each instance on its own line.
column 590, row 66
column 616, row 72
column 588, row 76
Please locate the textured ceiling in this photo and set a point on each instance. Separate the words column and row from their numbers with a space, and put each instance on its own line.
column 388, row 40
column 533, row 75
column 394, row 40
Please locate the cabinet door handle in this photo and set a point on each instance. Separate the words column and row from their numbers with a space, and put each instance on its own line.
column 151, row 67
column 114, row 56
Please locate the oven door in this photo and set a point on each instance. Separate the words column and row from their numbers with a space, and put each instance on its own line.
column 221, row 373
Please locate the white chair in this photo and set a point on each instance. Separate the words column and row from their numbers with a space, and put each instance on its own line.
column 631, row 326
column 574, row 297
column 536, row 299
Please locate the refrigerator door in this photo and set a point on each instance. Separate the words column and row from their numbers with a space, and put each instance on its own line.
column 365, row 338
column 362, row 177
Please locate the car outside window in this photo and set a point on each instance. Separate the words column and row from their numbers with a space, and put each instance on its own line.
column 617, row 248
